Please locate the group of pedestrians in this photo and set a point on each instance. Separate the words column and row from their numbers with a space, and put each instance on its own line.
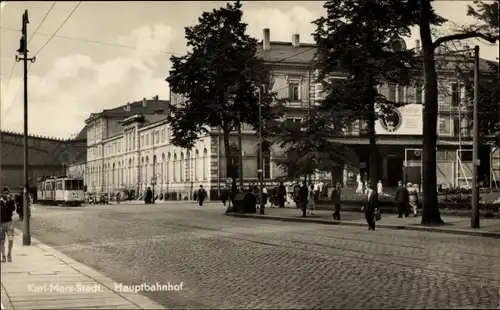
column 407, row 199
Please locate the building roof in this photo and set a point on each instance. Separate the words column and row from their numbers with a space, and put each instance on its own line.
column 130, row 109
column 285, row 52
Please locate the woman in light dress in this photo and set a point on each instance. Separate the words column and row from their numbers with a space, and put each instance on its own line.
column 413, row 197
column 359, row 189
column 311, row 203
column 380, row 188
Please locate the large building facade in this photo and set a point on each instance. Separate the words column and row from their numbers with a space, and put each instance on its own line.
column 129, row 147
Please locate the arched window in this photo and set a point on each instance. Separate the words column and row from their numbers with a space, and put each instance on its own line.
column 162, row 169
column 146, row 176
column 266, row 155
column 181, row 168
column 155, row 171
column 205, row 164
column 129, row 177
column 141, row 170
column 188, row 166
column 174, row 165
column 196, row 166
column 235, row 155
column 169, row 162
column 113, row 174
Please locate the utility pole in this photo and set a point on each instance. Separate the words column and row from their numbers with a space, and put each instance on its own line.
column 261, row 162
column 23, row 50
column 475, row 148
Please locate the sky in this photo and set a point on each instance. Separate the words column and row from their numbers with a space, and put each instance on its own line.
column 74, row 76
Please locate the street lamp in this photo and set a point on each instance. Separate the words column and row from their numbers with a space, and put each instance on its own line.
column 153, row 183
column 261, row 159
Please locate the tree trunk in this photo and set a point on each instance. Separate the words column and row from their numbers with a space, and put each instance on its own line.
column 240, row 155
column 430, row 211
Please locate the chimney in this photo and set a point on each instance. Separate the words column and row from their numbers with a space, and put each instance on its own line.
column 127, row 108
column 144, row 103
column 266, row 41
column 156, row 98
column 296, row 40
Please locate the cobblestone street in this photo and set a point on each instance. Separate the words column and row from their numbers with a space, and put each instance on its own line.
column 227, row 262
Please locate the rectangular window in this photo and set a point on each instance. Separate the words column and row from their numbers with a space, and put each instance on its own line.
column 157, row 134
column 456, row 126
column 455, row 94
column 418, row 94
column 293, row 92
column 163, row 135
column 67, row 185
column 444, row 125
column 401, row 94
column 391, row 96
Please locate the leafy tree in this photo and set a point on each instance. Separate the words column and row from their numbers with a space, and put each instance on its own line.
column 306, row 145
column 357, row 37
column 427, row 17
column 219, row 78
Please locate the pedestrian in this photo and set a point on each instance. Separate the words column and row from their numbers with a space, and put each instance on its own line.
column 336, row 197
column 18, row 201
column 380, row 188
column 281, row 192
column 413, row 198
column 311, row 200
column 302, row 198
column 7, row 208
column 316, row 192
column 118, row 196
column 264, row 195
column 359, row 181
column 401, row 200
column 223, row 196
column 370, row 205
column 201, row 195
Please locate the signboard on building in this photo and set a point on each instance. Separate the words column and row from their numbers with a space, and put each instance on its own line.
column 405, row 120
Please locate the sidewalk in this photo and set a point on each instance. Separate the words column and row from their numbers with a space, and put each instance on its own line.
column 453, row 224
column 40, row 277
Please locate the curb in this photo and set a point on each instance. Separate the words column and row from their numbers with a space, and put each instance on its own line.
column 135, row 298
column 463, row 232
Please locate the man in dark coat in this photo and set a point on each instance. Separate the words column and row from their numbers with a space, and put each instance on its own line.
column 302, row 198
column 336, row 196
column 201, row 195
column 281, row 195
column 149, row 195
column 371, row 204
column 402, row 200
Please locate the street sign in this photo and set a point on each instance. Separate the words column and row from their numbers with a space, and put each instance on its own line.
column 229, row 180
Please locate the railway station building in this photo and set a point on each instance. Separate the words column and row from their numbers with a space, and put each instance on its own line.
column 129, row 147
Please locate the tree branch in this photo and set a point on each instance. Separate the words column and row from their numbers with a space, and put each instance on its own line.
column 463, row 36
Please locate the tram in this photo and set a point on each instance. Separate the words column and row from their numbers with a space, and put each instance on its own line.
column 60, row 190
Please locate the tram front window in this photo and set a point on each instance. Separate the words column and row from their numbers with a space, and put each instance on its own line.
column 75, row 185
column 67, row 185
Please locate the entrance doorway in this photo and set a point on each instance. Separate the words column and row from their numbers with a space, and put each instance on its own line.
column 394, row 170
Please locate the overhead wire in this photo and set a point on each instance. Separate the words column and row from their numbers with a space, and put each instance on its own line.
column 15, row 62
column 43, row 46
column 58, row 29
column 99, row 42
